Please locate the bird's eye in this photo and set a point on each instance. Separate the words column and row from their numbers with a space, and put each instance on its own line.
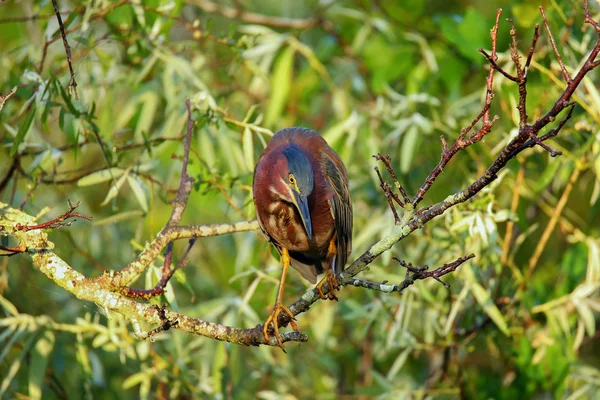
column 292, row 180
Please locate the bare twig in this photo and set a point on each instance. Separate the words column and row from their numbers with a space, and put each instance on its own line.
column 463, row 142
column 418, row 273
column 533, row 261
column 558, row 57
column 72, row 83
column 386, row 160
column 11, row 170
column 588, row 16
column 387, row 191
column 4, row 98
column 167, row 274
column 536, row 36
column 57, row 222
column 12, row 250
column 185, row 183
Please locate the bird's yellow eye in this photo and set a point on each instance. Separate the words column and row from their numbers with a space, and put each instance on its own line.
column 292, row 180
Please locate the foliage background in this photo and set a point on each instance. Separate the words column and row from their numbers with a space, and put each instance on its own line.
column 370, row 76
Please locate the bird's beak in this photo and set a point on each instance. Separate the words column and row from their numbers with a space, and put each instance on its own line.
column 302, row 205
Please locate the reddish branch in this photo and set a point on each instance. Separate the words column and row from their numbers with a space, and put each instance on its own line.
column 61, row 220
column 463, row 140
column 523, row 140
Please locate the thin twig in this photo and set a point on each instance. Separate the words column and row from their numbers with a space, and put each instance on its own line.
column 588, row 16
column 418, row 273
column 387, row 161
column 536, row 35
column 73, row 83
column 558, row 57
column 387, row 191
column 185, row 183
column 167, row 274
column 57, row 222
column 4, row 98
column 534, row 260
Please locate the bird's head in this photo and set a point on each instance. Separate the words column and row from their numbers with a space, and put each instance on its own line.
column 296, row 183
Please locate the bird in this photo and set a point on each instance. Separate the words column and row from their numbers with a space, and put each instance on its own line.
column 303, row 206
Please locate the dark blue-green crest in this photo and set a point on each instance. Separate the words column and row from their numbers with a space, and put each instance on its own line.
column 300, row 167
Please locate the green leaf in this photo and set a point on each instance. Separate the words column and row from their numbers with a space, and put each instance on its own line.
column 138, row 191
column 114, row 189
column 8, row 306
column 587, row 316
column 124, row 216
column 248, row 146
column 484, row 299
column 100, row 176
column 281, row 82
column 39, row 361
column 408, row 148
column 16, row 365
column 23, row 130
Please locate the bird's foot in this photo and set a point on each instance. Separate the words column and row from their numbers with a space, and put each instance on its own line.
column 273, row 318
column 333, row 283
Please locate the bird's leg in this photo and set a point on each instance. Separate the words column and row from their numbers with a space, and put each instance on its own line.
column 329, row 277
column 279, row 307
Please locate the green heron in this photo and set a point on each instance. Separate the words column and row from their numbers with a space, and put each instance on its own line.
column 303, row 207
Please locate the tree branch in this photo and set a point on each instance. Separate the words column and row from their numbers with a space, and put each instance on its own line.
column 107, row 290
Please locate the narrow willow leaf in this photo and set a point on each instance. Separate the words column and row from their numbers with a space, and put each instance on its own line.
column 114, row 189
column 149, row 102
column 23, row 130
column 39, row 361
column 483, row 298
column 16, row 365
column 248, row 146
column 456, row 307
column 135, row 379
column 593, row 267
column 138, row 191
column 8, row 306
column 408, row 150
column 113, row 219
column 398, row 364
column 281, row 82
column 587, row 316
column 100, row 176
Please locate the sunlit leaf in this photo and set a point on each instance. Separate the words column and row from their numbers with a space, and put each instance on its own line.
column 39, row 361
column 484, row 299
column 138, row 191
column 115, row 188
column 100, row 176
column 23, row 130
column 281, row 82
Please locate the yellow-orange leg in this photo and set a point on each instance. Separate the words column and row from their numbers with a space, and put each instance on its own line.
column 279, row 307
column 329, row 277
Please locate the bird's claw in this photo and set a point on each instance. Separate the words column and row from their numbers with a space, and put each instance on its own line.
column 333, row 283
column 273, row 318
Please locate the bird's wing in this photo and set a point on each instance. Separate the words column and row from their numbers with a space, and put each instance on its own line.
column 341, row 209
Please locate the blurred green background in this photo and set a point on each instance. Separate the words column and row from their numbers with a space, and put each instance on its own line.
column 519, row 321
